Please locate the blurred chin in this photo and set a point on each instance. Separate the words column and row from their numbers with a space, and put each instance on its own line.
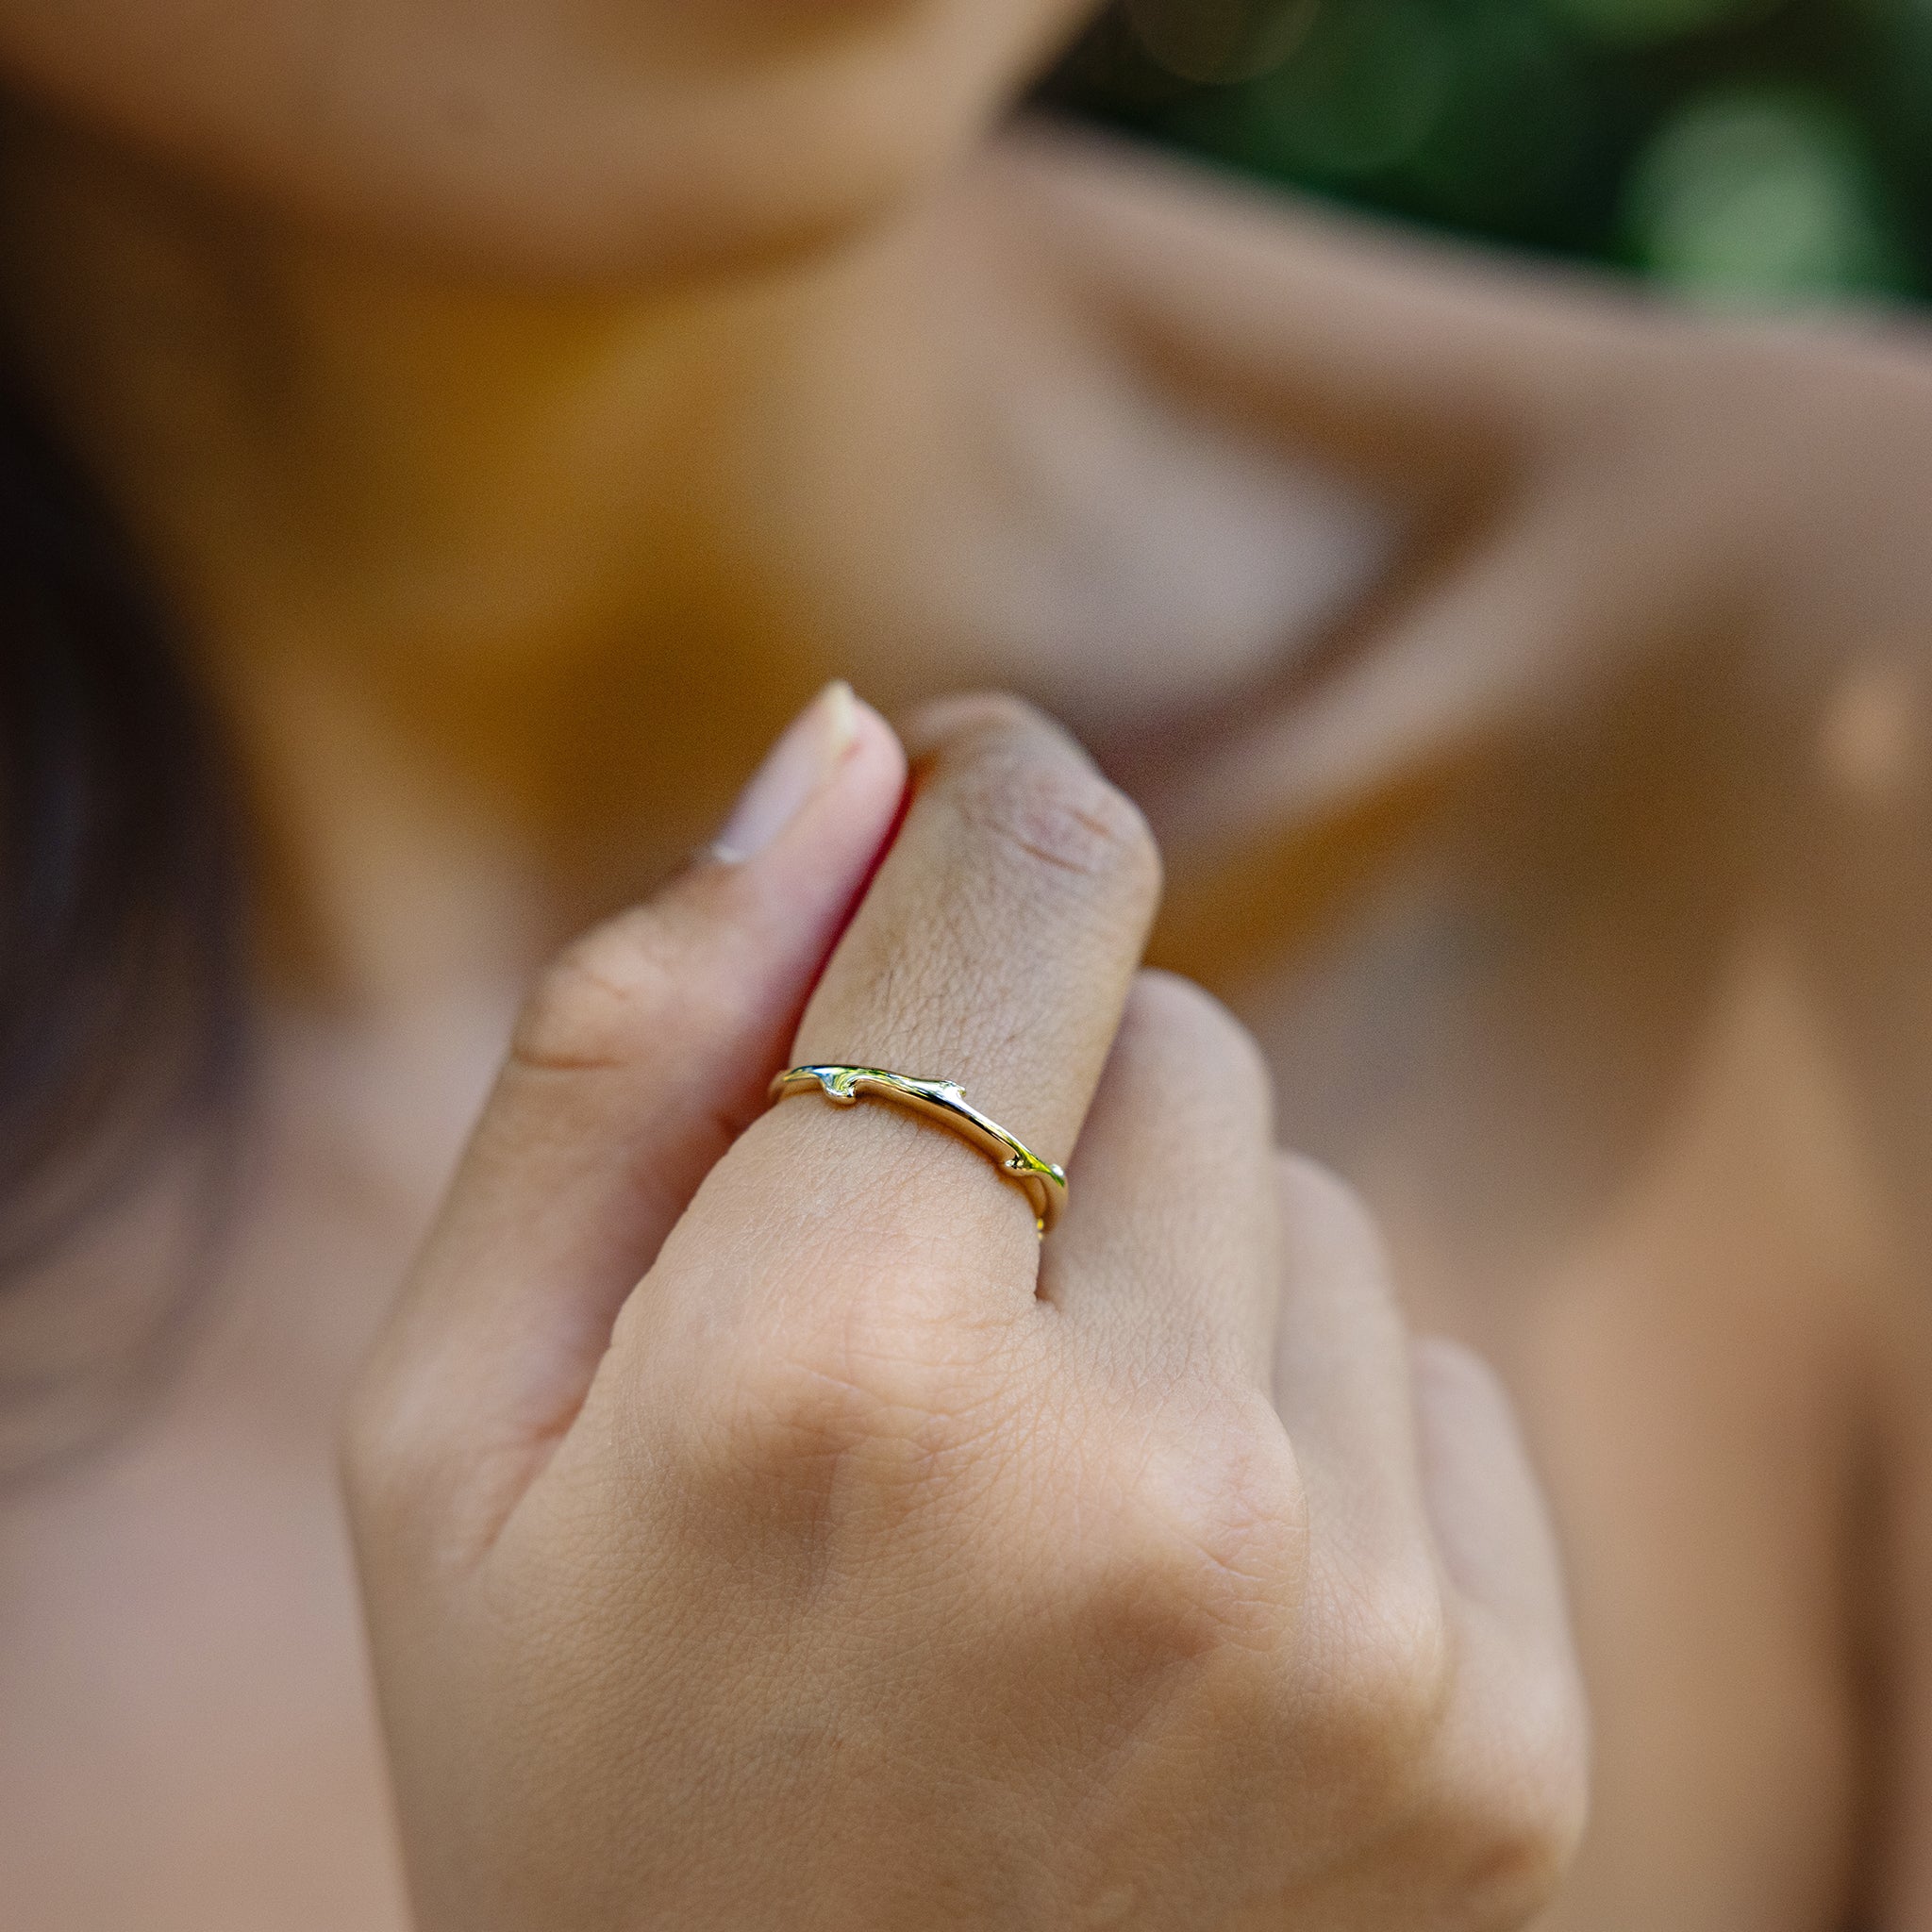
column 707, row 182
column 599, row 141
column 780, row 123
column 714, row 199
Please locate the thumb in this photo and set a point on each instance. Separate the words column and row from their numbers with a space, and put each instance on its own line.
column 642, row 1053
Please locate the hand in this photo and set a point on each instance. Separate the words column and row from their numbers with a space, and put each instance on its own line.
column 870, row 1563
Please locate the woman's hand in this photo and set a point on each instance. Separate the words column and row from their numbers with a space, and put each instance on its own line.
column 760, row 1526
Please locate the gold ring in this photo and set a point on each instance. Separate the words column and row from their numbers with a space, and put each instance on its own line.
column 945, row 1102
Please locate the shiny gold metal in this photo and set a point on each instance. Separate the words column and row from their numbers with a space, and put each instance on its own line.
column 945, row 1102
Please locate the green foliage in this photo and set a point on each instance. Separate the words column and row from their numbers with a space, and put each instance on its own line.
column 1744, row 151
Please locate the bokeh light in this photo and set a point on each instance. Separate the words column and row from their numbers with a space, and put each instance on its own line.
column 1750, row 195
column 1740, row 150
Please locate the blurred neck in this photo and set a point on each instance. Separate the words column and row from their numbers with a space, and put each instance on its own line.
column 454, row 554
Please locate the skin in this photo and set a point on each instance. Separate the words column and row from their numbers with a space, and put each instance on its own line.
column 956, row 1582
column 1553, row 813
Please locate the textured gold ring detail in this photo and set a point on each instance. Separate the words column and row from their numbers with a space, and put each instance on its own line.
column 945, row 1102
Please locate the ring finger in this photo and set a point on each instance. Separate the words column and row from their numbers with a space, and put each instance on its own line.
column 995, row 950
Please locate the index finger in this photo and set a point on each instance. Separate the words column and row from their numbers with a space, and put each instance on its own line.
column 995, row 950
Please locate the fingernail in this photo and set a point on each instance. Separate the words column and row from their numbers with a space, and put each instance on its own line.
column 804, row 758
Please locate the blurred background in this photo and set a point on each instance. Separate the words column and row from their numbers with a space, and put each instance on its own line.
column 1755, row 152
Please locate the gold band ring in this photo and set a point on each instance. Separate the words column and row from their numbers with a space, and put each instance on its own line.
column 943, row 1101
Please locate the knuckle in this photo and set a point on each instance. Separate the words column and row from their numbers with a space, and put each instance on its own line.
column 1526, row 1816
column 1206, row 1553
column 596, row 1003
column 1516, row 1823
column 966, row 718
column 1386, row 1673
column 876, row 1399
column 1454, row 1375
column 1329, row 1227
column 1316, row 1194
column 1189, row 1020
column 1042, row 803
